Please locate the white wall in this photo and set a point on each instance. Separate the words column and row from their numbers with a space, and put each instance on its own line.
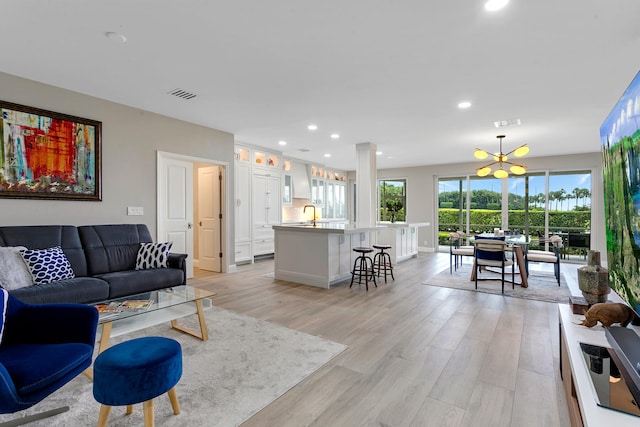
column 422, row 190
column 130, row 139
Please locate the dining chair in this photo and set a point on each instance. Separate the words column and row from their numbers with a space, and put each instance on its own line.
column 491, row 253
column 546, row 256
column 457, row 250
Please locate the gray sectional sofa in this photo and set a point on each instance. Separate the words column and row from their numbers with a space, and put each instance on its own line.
column 103, row 258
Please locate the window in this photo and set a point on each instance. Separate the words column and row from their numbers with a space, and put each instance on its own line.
column 392, row 200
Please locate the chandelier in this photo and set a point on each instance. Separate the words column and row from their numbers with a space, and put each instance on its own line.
column 501, row 159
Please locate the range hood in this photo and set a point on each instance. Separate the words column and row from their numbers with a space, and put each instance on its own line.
column 300, row 181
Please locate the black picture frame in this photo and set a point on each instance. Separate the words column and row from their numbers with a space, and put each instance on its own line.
column 49, row 155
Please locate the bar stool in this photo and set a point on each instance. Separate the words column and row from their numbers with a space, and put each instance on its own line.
column 382, row 261
column 363, row 266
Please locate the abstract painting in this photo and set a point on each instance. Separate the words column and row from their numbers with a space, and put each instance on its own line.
column 48, row 155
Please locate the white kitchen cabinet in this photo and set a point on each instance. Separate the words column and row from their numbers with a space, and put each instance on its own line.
column 242, row 211
column 266, row 210
column 258, row 200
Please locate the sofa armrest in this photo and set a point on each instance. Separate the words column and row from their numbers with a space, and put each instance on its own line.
column 52, row 323
column 179, row 261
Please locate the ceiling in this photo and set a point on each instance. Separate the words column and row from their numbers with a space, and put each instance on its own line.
column 387, row 72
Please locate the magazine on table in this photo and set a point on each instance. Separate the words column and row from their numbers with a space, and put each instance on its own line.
column 123, row 306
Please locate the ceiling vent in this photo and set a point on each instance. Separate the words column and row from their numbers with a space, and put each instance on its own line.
column 182, row 94
column 304, row 150
column 510, row 122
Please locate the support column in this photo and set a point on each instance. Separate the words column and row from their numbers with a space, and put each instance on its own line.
column 366, row 185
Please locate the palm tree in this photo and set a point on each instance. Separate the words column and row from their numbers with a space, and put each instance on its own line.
column 577, row 193
column 553, row 197
column 586, row 193
column 562, row 196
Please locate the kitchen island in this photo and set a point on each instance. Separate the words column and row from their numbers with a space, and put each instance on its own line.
column 403, row 238
column 319, row 255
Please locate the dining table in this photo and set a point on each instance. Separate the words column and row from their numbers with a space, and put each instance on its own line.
column 516, row 244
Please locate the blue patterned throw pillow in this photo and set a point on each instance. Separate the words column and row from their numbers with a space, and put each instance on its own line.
column 47, row 265
column 153, row 255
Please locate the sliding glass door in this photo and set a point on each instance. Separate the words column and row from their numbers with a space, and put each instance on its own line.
column 536, row 205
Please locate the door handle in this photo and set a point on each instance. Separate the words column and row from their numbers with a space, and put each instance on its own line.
column 189, row 226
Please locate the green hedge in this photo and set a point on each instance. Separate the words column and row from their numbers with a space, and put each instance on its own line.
column 482, row 219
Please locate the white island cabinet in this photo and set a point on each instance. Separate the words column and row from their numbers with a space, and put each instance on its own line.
column 318, row 256
column 403, row 238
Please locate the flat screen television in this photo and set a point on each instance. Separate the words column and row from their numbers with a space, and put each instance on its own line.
column 620, row 143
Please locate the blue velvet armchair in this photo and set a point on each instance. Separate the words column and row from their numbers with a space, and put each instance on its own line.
column 43, row 347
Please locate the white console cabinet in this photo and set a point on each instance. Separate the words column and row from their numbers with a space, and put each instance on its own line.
column 579, row 391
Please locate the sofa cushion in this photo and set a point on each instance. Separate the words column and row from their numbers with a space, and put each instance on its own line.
column 47, row 265
column 79, row 290
column 153, row 255
column 14, row 273
column 123, row 283
column 112, row 247
column 48, row 236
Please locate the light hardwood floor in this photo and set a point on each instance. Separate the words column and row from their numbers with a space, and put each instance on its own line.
column 418, row 355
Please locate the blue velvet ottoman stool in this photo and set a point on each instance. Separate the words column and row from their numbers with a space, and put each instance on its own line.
column 137, row 371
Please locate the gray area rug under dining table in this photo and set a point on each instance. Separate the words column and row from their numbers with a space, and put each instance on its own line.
column 543, row 285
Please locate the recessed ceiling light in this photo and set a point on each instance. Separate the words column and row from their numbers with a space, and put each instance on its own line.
column 464, row 104
column 282, row 142
column 116, row 37
column 335, row 136
column 327, row 155
column 312, row 127
column 493, row 5
column 378, row 153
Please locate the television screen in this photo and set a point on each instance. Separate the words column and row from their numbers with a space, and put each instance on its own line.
column 620, row 141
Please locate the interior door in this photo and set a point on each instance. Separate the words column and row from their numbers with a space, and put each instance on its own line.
column 175, row 205
column 209, row 221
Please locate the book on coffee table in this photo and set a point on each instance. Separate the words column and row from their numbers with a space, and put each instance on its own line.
column 136, row 305
column 123, row 306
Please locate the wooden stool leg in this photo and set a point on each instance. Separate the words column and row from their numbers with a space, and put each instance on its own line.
column 173, row 398
column 129, row 410
column 147, row 408
column 104, row 415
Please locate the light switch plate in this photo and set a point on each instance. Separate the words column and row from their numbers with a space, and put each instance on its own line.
column 135, row 210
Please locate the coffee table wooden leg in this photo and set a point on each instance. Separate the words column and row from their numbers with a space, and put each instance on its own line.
column 105, row 336
column 204, row 332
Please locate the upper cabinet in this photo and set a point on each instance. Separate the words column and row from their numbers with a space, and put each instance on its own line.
column 266, row 159
column 242, row 154
column 287, row 185
column 335, row 195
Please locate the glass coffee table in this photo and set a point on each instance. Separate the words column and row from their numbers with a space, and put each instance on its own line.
column 135, row 312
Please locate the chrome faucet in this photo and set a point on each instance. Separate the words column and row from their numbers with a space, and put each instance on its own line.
column 314, row 212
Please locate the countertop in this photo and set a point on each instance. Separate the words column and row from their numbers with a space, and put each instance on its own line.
column 403, row 224
column 326, row 227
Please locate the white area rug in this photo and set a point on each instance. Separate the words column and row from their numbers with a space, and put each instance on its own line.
column 543, row 285
column 245, row 365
